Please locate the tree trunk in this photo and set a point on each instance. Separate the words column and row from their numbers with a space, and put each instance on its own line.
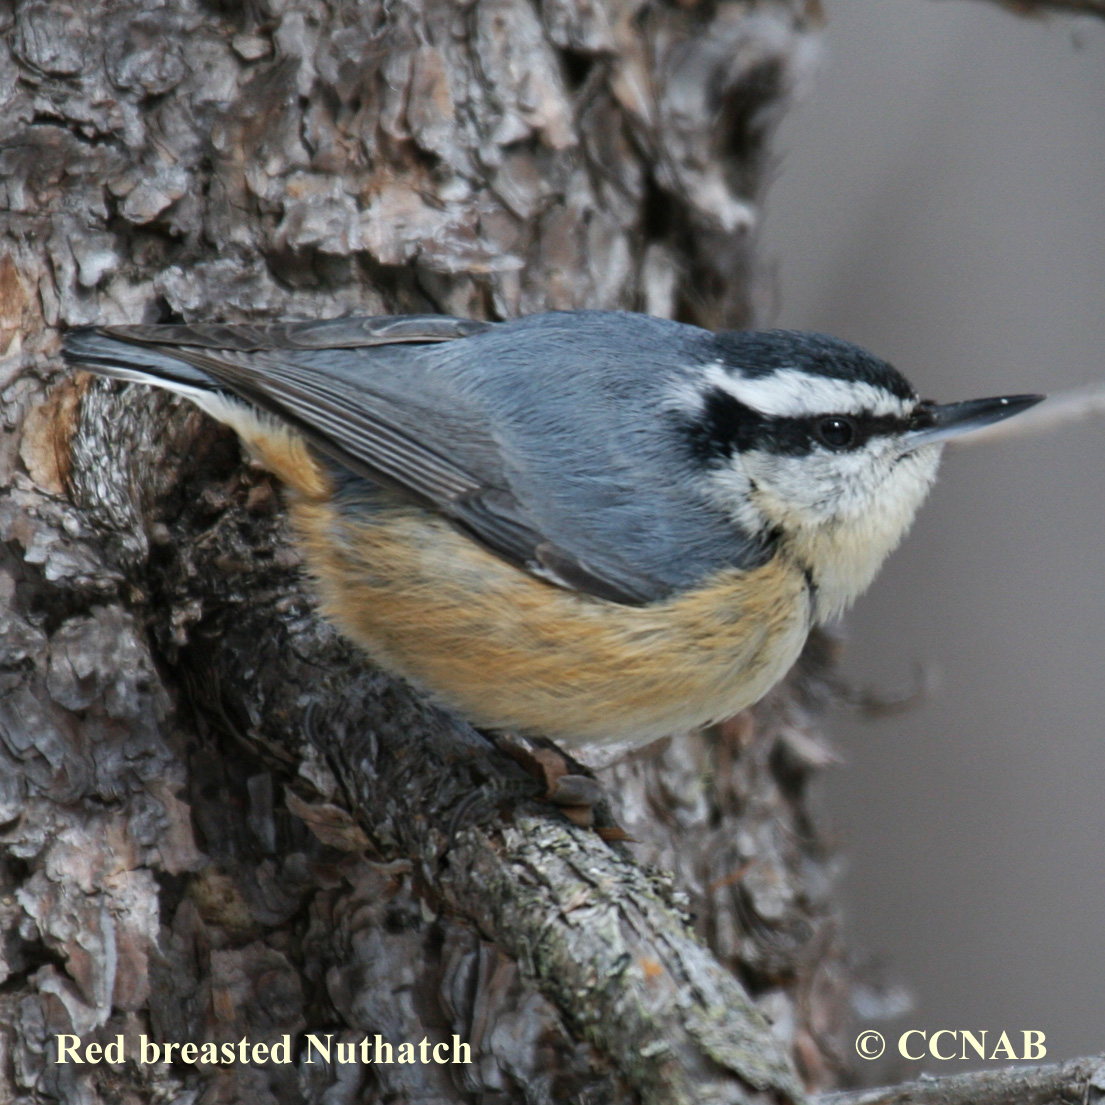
column 219, row 822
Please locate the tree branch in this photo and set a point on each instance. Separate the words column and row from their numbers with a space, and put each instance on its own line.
column 1079, row 1082
column 1044, row 7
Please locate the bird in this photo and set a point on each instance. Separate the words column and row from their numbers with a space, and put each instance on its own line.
column 595, row 527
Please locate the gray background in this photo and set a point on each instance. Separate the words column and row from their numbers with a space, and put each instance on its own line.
column 941, row 200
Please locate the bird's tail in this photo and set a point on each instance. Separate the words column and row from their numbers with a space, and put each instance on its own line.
column 92, row 349
column 268, row 437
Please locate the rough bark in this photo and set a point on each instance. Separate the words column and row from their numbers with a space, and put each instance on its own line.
column 217, row 821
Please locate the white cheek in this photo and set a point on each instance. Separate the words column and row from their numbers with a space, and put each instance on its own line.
column 843, row 513
column 814, row 489
column 853, row 548
column 840, row 488
column 909, row 482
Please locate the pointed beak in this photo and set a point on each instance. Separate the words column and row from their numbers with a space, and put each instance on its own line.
column 933, row 424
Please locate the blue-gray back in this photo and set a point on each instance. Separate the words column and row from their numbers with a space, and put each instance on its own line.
column 548, row 438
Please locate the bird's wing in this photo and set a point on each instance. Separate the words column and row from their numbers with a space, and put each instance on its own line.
column 405, row 426
column 350, row 332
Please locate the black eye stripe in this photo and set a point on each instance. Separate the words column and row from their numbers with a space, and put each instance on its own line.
column 726, row 425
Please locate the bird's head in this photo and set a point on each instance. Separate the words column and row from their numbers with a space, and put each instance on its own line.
column 820, row 446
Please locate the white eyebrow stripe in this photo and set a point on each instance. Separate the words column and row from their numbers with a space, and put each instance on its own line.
column 790, row 393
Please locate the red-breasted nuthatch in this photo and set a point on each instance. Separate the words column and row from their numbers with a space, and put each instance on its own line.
column 592, row 526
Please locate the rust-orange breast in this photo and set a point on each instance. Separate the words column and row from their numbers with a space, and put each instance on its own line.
column 509, row 651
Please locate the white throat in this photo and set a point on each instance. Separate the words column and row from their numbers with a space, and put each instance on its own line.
column 842, row 536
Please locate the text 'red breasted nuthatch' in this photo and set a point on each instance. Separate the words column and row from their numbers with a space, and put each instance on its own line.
column 593, row 526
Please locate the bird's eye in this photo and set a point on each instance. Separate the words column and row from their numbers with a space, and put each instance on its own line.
column 836, row 432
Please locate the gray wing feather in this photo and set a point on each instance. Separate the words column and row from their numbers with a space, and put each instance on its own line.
column 373, row 434
column 490, row 424
column 356, row 428
column 336, row 333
